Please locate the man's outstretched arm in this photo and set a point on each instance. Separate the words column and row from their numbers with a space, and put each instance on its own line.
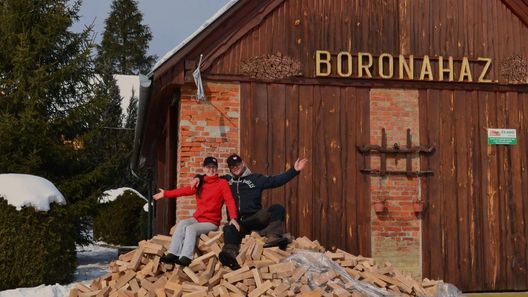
column 274, row 181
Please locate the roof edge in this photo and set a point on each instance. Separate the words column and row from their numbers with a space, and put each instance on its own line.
column 518, row 8
column 182, row 44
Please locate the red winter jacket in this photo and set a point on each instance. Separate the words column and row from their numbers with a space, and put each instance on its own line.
column 215, row 192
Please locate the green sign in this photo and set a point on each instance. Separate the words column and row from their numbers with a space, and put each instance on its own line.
column 502, row 136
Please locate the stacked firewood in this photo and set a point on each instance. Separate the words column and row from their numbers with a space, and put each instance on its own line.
column 270, row 67
column 303, row 269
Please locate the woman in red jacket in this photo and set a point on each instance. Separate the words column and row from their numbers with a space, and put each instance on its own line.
column 210, row 197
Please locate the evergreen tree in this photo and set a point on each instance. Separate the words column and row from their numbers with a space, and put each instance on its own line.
column 103, row 141
column 125, row 40
column 132, row 110
column 45, row 74
column 112, row 115
column 46, row 97
column 123, row 50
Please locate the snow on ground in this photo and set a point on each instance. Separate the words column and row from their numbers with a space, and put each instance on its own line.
column 40, row 291
column 92, row 261
column 29, row 190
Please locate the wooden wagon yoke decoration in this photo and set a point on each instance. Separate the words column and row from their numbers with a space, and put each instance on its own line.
column 396, row 151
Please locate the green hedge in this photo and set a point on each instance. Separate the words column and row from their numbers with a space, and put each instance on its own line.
column 122, row 221
column 36, row 247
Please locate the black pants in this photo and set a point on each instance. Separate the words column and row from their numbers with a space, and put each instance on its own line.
column 255, row 222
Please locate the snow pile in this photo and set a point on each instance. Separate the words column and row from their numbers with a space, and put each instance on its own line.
column 146, row 207
column 41, row 291
column 29, row 190
column 111, row 195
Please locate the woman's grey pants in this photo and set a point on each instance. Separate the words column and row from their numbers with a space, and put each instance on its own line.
column 184, row 238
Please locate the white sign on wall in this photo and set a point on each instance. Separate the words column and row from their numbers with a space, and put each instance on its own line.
column 502, row 136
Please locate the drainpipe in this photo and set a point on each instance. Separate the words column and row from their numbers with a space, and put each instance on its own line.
column 135, row 160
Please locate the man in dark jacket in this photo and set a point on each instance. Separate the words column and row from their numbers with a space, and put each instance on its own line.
column 247, row 190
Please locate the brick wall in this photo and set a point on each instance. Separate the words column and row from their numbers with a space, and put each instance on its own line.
column 206, row 129
column 396, row 233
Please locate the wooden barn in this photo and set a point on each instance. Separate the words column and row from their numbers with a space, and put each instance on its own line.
column 415, row 106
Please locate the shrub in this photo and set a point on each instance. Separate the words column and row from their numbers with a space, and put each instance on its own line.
column 122, row 221
column 36, row 247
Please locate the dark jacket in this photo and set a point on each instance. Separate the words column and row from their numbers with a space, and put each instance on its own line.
column 247, row 189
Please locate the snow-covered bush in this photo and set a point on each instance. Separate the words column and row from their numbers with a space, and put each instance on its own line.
column 36, row 247
column 121, row 221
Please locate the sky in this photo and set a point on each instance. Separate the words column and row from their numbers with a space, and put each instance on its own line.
column 170, row 21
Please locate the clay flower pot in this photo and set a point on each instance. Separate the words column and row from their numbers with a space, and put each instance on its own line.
column 418, row 206
column 379, row 206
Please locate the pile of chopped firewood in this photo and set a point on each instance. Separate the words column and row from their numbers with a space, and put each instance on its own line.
column 270, row 67
column 303, row 269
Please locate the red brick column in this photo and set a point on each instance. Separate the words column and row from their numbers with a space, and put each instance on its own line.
column 396, row 233
column 208, row 128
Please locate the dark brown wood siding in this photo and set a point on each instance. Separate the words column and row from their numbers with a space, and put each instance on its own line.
column 297, row 28
column 165, row 209
column 474, row 231
column 329, row 201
